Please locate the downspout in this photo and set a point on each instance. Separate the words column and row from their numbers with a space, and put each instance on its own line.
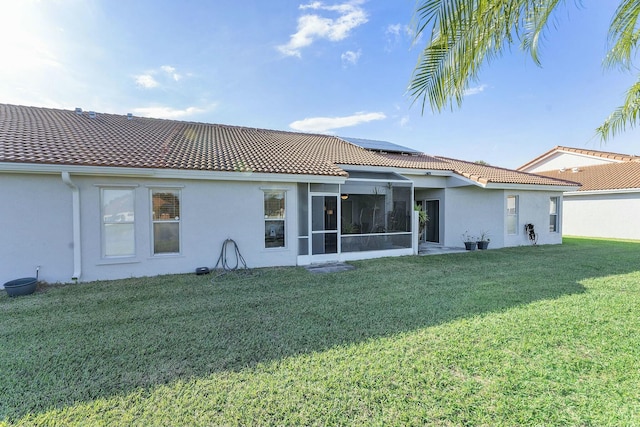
column 77, row 250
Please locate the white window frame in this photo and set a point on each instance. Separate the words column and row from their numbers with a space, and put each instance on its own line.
column 512, row 213
column 282, row 218
column 555, row 215
column 175, row 220
column 125, row 218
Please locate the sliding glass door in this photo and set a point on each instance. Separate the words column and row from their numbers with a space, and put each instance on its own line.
column 324, row 225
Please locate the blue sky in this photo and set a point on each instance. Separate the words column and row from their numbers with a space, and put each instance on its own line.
column 339, row 67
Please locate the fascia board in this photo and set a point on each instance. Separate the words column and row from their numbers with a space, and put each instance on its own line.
column 530, row 187
column 401, row 171
column 166, row 173
column 597, row 192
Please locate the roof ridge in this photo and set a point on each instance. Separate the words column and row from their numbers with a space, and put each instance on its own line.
column 99, row 113
column 599, row 153
column 43, row 135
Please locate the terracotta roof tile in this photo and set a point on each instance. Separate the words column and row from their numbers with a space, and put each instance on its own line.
column 474, row 171
column 52, row 136
column 594, row 153
column 612, row 176
column 602, row 154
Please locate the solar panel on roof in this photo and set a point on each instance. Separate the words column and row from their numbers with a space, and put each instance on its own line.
column 372, row 144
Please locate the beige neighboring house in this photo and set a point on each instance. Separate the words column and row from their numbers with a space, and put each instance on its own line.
column 608, row 202
column 89, row 196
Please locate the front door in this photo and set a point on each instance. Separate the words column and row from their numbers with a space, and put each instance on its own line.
column 324, row 227
column 432, row 207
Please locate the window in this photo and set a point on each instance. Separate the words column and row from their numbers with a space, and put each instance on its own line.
column 553, row 214
column 274, row 219
column 165, row 215
column 512, row 214
column 118, row 222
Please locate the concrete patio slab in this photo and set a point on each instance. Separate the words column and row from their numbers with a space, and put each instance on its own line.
column 333, row 267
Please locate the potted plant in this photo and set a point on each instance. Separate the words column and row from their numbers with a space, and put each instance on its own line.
column 483, row 240
column 423, row 218
column 470, row 242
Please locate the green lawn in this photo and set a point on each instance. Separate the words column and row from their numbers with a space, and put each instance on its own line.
column 546, row 335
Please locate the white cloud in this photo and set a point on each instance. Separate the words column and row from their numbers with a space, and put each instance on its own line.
column 404, row 121
column 475, row 90
column 171, row 71
column 167, row 112
column 350, row 57
column 312, row 27
column 146, row 81
column 326, row 124
column 395, row 34
column 152, row 78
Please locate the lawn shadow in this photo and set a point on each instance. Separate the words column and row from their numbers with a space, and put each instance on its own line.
column 79, row 343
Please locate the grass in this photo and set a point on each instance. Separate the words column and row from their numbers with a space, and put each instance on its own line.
column 522, row 336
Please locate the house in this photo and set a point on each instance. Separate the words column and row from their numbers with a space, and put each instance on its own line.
column 91, row 196
column 607, row 203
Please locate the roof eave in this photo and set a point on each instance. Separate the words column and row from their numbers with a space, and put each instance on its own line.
column 530, row 187
column 35, row 168
column 600, row 192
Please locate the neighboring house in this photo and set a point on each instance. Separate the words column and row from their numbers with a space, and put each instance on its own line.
column 91, row 196
column 608, row 201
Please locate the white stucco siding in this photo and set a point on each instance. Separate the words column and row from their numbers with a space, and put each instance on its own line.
column 533, row 208
column 567, row 160
column 602, row 215
column 210, row 213
column 473, row 210
column 36, row 228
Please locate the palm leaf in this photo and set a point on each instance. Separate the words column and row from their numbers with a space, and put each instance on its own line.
column 466, row 34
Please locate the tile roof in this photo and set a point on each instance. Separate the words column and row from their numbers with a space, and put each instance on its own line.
column 601, row 154
column 594, row 153
column 612, row 176
column 474, row 171
column 37, row 135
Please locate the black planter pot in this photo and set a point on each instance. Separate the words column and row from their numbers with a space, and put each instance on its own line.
column 24, row 286
column 470, row 246
column 483, row 244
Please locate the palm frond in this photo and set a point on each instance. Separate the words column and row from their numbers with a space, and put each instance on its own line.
column 623, row 116
column 623, row 34
column 463, row 36
column 536, row 20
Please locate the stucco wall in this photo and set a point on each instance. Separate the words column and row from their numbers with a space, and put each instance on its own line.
column 567, row 160
column 37, row 227
column 605, row 215
column 533, row 208
column 473, row 210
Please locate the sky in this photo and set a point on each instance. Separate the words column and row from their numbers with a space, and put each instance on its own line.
column 334, row 67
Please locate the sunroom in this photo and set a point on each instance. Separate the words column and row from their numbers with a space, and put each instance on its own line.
column 369, row 215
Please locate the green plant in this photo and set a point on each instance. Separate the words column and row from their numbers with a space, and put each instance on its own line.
column 423, row 217
column 466, row 237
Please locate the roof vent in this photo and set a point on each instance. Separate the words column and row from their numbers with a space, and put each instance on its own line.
column 79, row 111
column 92, row 114
column 129, row 116
column 563, row 169
column 574, row 170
